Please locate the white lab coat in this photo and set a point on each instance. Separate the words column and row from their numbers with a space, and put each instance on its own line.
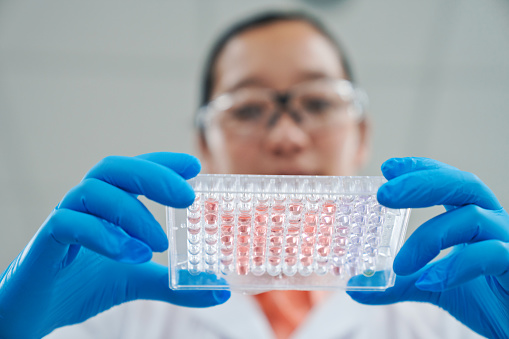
column 336, row 317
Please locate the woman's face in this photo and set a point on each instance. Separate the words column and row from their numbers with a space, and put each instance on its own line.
column 279, row 56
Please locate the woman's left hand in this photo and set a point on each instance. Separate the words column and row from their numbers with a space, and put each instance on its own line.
column 472, row 281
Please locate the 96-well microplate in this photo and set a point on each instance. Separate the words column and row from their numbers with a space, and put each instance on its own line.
column 257, row 233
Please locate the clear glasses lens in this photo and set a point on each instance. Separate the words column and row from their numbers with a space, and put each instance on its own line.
column 312, row 105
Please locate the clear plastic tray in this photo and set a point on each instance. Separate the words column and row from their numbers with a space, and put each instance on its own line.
column 259, row 233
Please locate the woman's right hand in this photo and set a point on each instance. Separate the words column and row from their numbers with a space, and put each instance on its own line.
column 93, row 251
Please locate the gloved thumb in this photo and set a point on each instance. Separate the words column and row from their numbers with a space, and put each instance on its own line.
column 404, row 289
column 150, row 281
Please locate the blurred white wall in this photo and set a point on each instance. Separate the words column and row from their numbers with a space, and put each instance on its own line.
column 80, row 80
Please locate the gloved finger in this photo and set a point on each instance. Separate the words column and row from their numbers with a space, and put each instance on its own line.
column 465, row 224
column 403, row 290
column 436, row 187
column 139, row 176
column 114, row 205
column 183, row 164
column 490, row 257
column 68, row 227
column 151, row 281
column 395, row 167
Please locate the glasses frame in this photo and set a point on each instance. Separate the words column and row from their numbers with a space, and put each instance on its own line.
column 346, row 89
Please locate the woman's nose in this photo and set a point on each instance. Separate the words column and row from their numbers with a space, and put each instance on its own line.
column 286, row 138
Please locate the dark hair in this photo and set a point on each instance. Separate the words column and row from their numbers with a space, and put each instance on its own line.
column 258, row 21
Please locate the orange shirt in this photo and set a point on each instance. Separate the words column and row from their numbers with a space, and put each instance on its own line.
column 286, row 310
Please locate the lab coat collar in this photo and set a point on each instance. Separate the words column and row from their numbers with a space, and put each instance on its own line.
column 336, row 317
column 239, row 317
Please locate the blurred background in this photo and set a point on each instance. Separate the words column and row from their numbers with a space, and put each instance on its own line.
column 80, row 80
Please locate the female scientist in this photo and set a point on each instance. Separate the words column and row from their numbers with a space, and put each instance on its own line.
column 93, row 251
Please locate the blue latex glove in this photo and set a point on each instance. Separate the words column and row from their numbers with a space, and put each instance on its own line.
column 471, row 282
column 94, row 250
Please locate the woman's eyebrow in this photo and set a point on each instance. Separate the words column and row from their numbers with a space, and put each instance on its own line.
column 248, row 82
column 313, row 75
column 259, row 82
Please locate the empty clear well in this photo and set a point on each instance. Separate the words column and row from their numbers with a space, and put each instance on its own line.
column 256, row 233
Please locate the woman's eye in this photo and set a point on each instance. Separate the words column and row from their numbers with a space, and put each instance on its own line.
column 316, row 105
column 248, row 112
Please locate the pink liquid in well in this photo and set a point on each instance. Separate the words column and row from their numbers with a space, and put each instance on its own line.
column 338, row 270
column 274, row 261
column 277, row 230
column 194, row 219
column 211, row 206
column 323, row 241
column 323, row 251
column 210, row 218
column 258, row 261
column 275, row 251
column 261, row 219
column 227, row 229
column 211, row 229
column 293, row 230
column 310, row 219
column 306, row 251
column 259, row 241
column 329, row 208
column 292, row 241
column 310, row 230
column 291, row 250
column 340, row 241
column 193, row 231
column 308, row 240
column 327, row 220
column 262, row 208
column 278, row 219
column 326, row 230
column 259, row 250
column 306, row 261
column 339, row 251
column 290, row 261
column 243, row 240
column 227, row 240
column 227, row 218
column 242, row 251
column 244, row 229
column 342, row 231
column 278, row 209
column 276, row 241
column 260, row 230
column 227, row 251
column 244, row 219
column 242, row 265
column 295, row 208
